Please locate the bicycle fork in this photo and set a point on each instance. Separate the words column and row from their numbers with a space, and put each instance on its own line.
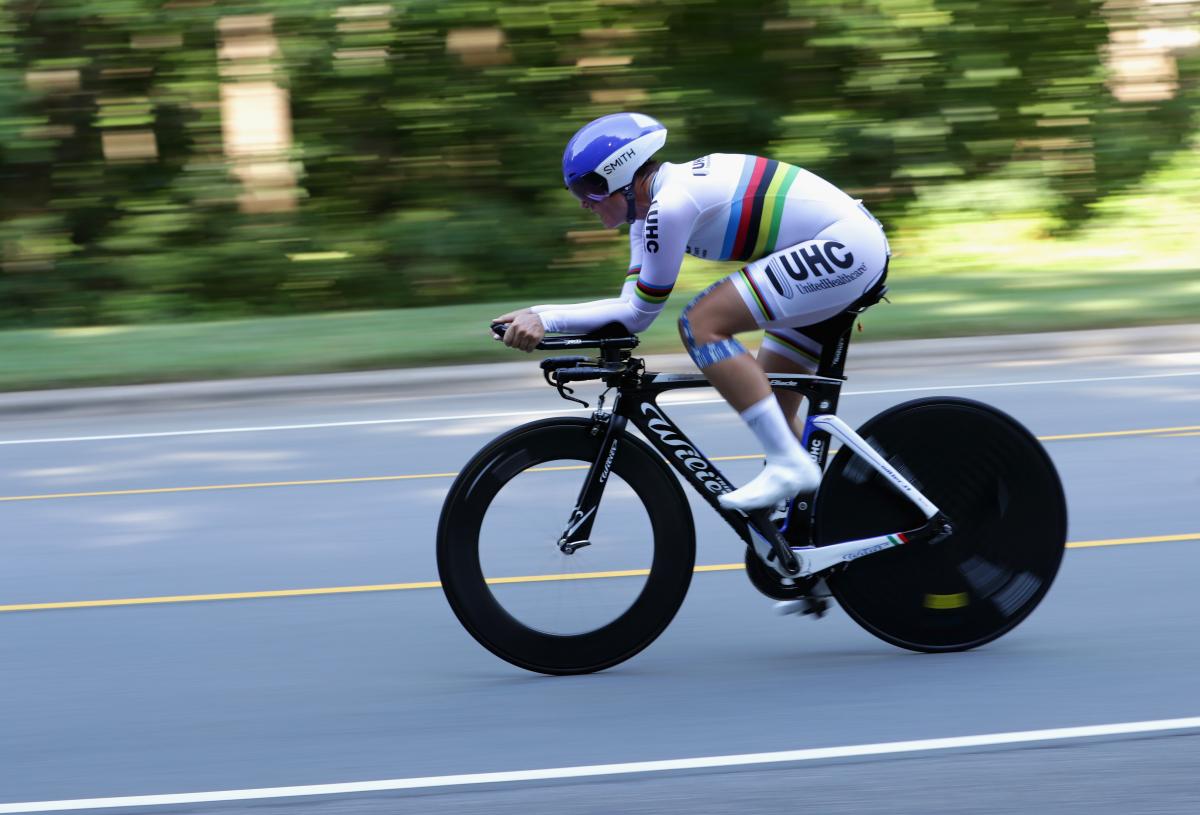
column 577, row 533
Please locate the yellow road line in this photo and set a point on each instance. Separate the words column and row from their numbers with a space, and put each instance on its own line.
column 1167, row 432
column 210, row 487
column 237, row 595
column 1150, row 431
column 433, row 584
column 1123, row 541
column 552, row 578
column 262, row 484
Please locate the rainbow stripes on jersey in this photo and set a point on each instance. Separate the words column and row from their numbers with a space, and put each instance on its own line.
column 756, row 210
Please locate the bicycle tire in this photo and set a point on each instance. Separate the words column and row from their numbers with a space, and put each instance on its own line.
column 463, row 581
column 997, row 484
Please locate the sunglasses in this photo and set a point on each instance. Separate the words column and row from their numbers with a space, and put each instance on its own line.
column 589, row 186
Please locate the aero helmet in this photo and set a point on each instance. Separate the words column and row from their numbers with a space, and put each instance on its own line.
column 602, row 157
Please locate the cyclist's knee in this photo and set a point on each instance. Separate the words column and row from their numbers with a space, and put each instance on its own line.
column 699, row 321
column 705, row 344
column 695, row 330
column 705, row 336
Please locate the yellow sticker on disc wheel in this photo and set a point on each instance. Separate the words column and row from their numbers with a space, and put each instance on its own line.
column 941, row 602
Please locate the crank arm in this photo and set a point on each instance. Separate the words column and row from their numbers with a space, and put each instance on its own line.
column 771, row 547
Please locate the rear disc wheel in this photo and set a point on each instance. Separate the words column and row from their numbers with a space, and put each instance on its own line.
column 995, row 482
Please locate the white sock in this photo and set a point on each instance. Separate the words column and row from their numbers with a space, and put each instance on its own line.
column 766, row 419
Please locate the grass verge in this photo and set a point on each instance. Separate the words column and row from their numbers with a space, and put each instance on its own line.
column 921, row 306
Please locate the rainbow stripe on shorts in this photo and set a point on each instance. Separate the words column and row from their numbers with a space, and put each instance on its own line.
column 756, row 293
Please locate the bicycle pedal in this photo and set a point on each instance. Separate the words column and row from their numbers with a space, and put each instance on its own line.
column 816, row 607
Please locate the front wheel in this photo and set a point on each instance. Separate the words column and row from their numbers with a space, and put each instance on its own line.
column 998, row 486
column 525, row 600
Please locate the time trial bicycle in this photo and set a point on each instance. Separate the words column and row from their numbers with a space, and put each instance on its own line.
column 938, row 526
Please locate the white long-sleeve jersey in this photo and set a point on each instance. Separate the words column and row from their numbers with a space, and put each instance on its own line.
column 722, row 206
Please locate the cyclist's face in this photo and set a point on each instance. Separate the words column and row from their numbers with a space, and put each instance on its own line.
column 611, row 211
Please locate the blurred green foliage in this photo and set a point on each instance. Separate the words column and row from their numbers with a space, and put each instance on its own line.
column 416, row 160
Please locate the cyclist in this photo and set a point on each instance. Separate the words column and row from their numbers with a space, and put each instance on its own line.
column 809, row 249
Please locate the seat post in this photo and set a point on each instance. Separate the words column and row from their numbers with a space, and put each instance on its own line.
column 833, row 354
column 841, row 327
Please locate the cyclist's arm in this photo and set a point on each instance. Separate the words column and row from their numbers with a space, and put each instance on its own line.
column 656, row 250
column 636, row 233
column 635, row 266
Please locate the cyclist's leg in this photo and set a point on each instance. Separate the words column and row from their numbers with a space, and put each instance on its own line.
column 802, row 285
column 707, row 327
column 797, row 350
column 789, row 351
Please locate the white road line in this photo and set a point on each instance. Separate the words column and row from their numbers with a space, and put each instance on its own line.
column 270, row 428
column 1032, row 382
column 560, row 411
column 747, row 759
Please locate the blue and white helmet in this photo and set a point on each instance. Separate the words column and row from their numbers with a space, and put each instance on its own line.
column 602, row 157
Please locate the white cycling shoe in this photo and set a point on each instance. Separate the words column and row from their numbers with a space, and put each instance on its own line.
column 777, row 482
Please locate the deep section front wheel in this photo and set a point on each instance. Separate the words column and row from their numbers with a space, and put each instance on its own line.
column 1000, row 490
column 525, row 600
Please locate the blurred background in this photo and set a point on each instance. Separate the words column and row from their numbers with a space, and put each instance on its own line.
column 174, row 164
column 234, row 587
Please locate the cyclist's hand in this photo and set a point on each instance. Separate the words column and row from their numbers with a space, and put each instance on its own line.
column 503, row 320
column 525, row 329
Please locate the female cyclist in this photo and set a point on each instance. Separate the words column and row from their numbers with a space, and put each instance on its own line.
column 809, row 250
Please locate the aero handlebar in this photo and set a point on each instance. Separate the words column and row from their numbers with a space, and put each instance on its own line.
column 599, row 339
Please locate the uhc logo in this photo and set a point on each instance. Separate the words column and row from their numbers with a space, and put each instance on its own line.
column 782, row 287
column 651, row 234
column 811, row 259
column 815, row 257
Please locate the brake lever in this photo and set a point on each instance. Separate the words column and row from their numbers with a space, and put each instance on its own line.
column 563, row 390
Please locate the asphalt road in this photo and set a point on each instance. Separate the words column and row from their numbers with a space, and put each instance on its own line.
column 187, row 694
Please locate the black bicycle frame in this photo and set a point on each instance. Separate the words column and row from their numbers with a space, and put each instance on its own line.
column 636, row 401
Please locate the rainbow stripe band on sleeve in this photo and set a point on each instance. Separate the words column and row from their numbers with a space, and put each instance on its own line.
column 757, row 208
column 653, row 294
column 633, row 273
